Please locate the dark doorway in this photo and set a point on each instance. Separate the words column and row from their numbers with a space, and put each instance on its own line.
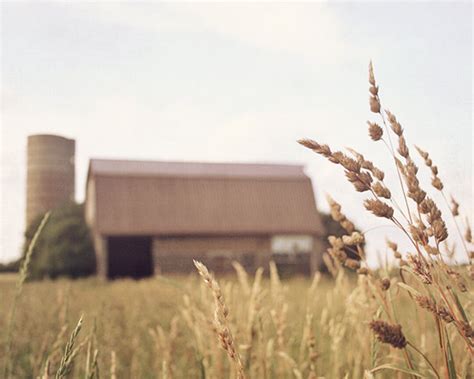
column 129, row 257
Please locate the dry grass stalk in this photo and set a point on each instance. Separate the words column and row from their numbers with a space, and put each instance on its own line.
column 425, row 227
column 221, row 319
column 23, row 274
column 353, row 241
column 242, row 276
column 435, row 180
column 113, row 365
column 94, row 369
column 69, row 352
column 338, row 216
column 430, row 305
column 311, row 346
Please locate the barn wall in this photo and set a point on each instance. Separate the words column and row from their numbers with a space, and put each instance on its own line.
column 175, row 254
column 317, row 255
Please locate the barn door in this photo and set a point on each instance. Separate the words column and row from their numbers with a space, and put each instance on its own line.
column 129, row 257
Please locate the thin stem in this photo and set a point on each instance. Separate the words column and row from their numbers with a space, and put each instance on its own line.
column 395, row 204
column 377, row 227
column 23, row 274
column 425, row 357
column 407, row 358
column 395, row 161
column 456, row 319
column 457, row 227
column 440, row 330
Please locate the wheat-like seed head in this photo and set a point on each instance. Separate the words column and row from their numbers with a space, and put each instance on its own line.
column 389, row 333
column 454, row 207
column 420, row 268
column 220, row 318
column 68, row 355
column 375, row 131
column 379, row 208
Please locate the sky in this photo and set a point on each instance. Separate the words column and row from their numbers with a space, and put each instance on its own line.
column 235, row 82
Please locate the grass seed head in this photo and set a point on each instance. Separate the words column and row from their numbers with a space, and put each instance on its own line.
column 361, row 181
column 389, row 333
column 381, row 190
column 402, row 147
column 379, row 208
column 355, row 238
column 375, row 131
column 437, row 183
column 374, row 104
column 468, row 234
column 371, row 74
column 454, row 207
column 353, row 264
column 384, row 284
column 420, row 268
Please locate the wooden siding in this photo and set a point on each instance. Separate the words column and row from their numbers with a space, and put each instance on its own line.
column 174, row 205
column 173, row 254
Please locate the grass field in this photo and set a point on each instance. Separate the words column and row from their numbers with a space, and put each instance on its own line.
column 162, row 327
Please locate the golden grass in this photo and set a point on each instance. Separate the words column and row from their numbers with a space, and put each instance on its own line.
column 164, row 327
column 440, row 280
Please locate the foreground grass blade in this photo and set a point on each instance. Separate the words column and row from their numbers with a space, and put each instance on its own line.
column 68, row 355
column 23, row 274
column 451, row 366
column 396, row 368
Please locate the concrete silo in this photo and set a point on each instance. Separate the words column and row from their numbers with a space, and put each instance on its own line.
column 50, row 173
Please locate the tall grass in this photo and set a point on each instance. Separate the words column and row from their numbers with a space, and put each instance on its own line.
column 439, row 284
column 281, row 328
column 23, row 274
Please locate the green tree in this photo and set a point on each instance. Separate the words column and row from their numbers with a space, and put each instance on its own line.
column 12, row 266
column 65, row 246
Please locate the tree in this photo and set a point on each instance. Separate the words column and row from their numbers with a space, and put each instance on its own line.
column 12, row 266
column 64, row 248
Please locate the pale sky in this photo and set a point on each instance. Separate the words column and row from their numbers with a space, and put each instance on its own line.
column 235, row 82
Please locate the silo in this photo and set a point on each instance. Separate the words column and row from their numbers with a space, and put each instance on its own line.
column 50, row 179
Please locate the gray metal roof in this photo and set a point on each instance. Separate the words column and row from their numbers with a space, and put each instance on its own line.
column 199, row 169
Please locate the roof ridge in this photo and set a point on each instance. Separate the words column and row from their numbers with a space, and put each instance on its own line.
column 125, row 167
column 254, row 163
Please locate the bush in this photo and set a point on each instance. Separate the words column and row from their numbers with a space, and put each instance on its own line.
column 13, row 266
column 65, row 247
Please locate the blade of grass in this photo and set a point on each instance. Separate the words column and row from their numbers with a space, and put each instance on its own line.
column 23, row 274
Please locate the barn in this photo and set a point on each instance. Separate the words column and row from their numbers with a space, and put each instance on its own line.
column 151, row 217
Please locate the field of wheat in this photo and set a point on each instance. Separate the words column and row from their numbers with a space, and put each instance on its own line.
column 408, row 320
column 164, row 327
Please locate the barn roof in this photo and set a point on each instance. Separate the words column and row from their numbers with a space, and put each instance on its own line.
column 189, row 198
column 193, row 169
